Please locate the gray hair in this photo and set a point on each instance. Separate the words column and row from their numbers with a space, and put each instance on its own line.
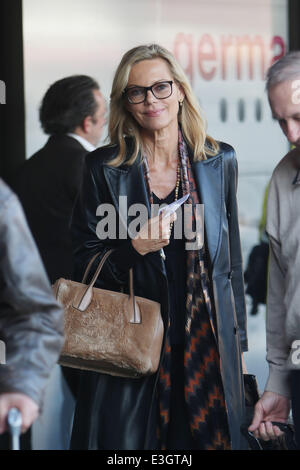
column 286, row 68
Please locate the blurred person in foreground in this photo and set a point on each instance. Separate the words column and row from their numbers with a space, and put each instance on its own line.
column 283, row 229
column 31, row 322
column 73, row 113
column 159, row 151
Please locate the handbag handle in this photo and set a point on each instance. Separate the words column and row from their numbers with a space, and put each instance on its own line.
column 86, row 299
column 89, row 267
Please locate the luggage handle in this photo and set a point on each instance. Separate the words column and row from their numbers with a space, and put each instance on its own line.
column 284, row 427
column 14, row 421
column 88, row 294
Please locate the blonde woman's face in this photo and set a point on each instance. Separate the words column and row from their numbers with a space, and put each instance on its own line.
column 154, row 114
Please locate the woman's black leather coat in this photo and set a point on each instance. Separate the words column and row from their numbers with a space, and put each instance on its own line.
column 122, row 417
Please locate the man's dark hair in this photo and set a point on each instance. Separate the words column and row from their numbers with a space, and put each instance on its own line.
column 67, row 103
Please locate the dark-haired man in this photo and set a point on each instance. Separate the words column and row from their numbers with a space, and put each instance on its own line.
column 73, row 113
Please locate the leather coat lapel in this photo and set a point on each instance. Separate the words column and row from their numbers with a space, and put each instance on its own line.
column 210, row 182
column 129, row 181
column 209, row 175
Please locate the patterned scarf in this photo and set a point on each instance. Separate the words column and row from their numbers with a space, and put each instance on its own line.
column 203, row 389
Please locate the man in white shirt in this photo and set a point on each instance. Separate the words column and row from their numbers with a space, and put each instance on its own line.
column 283, row 229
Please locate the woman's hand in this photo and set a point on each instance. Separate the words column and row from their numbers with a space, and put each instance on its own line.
column 154, row 235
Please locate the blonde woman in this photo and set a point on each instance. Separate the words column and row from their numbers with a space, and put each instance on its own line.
column 159, row 151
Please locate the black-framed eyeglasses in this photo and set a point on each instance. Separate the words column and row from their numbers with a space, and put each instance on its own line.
column 138, row 94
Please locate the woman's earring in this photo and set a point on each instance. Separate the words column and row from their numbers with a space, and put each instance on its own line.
column 180, row 104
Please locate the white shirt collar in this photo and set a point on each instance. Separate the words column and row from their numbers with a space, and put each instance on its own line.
column 85, row 143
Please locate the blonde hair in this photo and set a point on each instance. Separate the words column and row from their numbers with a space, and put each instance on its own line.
column 122, row 124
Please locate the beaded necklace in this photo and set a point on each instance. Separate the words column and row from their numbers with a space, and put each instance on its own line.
column 147, row 178
column 176, row 188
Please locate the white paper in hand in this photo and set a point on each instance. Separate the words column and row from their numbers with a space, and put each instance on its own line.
column 171, row 208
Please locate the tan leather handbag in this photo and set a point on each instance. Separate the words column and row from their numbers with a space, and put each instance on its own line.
column 109, row 332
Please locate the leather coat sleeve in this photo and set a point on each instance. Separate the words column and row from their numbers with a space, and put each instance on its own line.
column 237, row 277
column 31, row 322
column 86, row 242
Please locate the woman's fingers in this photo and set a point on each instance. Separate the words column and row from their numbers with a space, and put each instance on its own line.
column 160, row 226
column 155, row 234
